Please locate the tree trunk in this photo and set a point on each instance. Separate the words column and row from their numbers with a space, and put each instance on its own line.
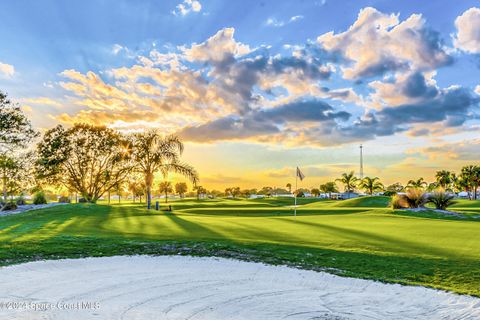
column 108, row 197
column 4, row 181
column 149, row 183
column 166, row 197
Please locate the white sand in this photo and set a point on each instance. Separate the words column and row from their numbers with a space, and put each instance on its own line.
column 143, row 287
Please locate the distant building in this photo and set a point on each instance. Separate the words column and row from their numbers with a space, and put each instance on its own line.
column 348, row 195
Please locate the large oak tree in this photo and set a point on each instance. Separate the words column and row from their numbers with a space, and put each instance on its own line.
column 89, row 159
column 15, row 133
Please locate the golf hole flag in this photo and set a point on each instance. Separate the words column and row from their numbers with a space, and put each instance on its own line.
column 300, row 175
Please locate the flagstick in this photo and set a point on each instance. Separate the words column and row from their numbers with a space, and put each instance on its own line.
column 295, row 195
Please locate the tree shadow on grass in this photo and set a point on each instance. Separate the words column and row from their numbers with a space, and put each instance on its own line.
column 193, row 228
column 270, row 212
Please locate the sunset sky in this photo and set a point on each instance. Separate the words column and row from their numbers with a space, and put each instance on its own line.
column 256, row 88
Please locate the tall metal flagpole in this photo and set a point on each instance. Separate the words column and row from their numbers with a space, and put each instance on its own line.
column 361, row 162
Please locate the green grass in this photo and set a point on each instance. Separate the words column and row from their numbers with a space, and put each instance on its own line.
column 370, row 202
column 357, row 237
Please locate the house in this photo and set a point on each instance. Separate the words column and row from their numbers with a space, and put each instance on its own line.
column 348, row 195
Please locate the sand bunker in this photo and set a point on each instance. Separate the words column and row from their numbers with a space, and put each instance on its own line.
column 144, row 287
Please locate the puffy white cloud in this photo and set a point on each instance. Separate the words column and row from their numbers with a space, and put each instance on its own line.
column 468, row 31
column 6, row 70
column 477, row 89
column 377, row 43
column 217, row 48
column 187, row 6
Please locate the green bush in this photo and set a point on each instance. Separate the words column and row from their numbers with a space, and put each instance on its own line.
column 20, row 201
column 8, row 206
column 64, row 199
column 39, row 198
column 389, row 193
column 441, row 200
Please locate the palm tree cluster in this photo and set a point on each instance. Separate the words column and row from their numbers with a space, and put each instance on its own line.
column 369, row 184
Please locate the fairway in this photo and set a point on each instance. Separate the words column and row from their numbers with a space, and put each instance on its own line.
column 358, row 237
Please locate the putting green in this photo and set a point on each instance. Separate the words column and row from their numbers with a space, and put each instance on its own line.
column 356, row 237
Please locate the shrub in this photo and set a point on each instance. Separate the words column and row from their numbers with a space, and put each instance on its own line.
column 64, row 199
column 8, row 206
column 39, row 198
column 389, row 193
column 20, row 201
column 82, row 200
column 441, row 200
column 398, row 202
column 415, row 198
column 300, row 194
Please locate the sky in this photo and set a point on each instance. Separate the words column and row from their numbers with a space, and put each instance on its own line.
column 256, row 88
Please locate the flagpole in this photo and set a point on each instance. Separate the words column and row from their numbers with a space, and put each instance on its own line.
column 295, row 194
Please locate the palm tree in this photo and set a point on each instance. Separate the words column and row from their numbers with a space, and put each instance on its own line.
column 153, row 153
column 444, row 178
column 434, row 186
column 420, row 183
column 370, row 185
column 471, row 174
column 165, row 187
column 349, row 181
column 289, row 187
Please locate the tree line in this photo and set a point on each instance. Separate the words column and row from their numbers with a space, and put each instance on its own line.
column 87, row 159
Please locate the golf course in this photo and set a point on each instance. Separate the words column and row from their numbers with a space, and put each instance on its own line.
column 361, row 238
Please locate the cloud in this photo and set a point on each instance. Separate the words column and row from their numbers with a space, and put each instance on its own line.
column 222, row 89
column 468, row 31
column 466, row 150
column 187, row 6
column 117, row 48
column 404, row 88
column 6, row 70
column 265, row 123
column 272, row 22
column 451, row 107
column 42, row 101
column 376, row 44
column 477, row 89
column 218, row 47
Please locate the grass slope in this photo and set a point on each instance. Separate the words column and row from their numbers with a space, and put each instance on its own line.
column 370, row 202
column 365, row 241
